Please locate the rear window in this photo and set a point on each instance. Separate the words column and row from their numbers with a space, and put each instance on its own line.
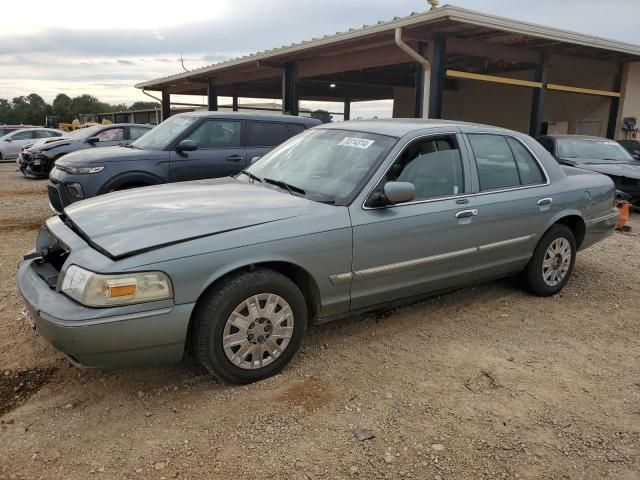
column 267, row 134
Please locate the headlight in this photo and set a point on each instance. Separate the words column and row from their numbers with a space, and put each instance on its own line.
column 80, row 170
column 96, row 290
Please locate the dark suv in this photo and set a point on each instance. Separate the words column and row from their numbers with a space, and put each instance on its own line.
column 188, row 146
column 37, row 160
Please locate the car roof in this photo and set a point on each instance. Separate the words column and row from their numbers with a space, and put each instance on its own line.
column 398, row 127
column 251, row 116
column 576, row 137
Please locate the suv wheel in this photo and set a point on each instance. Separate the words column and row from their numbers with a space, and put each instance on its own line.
column 250, row 326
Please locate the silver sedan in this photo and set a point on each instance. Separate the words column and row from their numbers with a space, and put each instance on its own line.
column 341, row 219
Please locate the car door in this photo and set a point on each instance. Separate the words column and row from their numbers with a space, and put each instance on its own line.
column 262, row 137
column 420, row 246
column 19, row 140
column 219, row 152
column 512, row 205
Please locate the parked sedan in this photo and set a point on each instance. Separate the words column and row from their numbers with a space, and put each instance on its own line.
column 598, row 155
column 340, row 219
column 188, row 146
column 12, row 142
column 4, row 129
column 631, row 146
column 37, row 160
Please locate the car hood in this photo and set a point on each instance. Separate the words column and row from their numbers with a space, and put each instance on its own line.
column 622, row 169
column 126, row 223
column 106, row 155
column 49, row 143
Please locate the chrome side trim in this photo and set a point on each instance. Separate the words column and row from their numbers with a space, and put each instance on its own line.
column 603, row 218
column 345, row 278
column 98, row 321
column 505, row 243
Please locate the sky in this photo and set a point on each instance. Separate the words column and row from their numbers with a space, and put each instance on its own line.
column 85, row 48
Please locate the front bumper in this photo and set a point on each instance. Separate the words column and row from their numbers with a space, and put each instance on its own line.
column 105, row 337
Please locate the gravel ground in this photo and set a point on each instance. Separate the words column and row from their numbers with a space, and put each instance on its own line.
column 483, row 383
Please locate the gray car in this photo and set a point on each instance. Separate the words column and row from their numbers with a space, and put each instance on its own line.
column 12, row 142
column 340, row 219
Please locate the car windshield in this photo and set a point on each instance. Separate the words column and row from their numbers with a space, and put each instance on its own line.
column 323, row 165
column 587, row 150
column 161, row 136
column 83, row 133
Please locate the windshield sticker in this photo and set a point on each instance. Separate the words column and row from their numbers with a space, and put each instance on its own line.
column 355, row 142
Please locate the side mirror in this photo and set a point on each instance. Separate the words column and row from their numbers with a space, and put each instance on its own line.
column 187, row 146
column 399, row 192
column 93, row 140
column 8, row 140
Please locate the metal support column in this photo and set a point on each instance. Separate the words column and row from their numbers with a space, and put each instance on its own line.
column 166, row 104
column 438, row 75
column 347, row 109
column 212, row 96
column 614, row 106
column 538, row 100
column 289, row 94
column 235, row 103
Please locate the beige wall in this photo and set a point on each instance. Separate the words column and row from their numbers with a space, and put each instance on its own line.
column 630, row 101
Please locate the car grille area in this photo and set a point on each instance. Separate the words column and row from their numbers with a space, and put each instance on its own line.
column 54, row 199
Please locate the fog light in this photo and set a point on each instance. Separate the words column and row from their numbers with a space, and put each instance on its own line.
column 75, row 190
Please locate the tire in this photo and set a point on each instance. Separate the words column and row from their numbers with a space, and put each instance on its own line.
column 558, row 239
column 237, row 361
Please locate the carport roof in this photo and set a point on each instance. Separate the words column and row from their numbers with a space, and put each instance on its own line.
column 454, row 20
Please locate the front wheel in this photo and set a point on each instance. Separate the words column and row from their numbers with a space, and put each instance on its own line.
column 550, row 267
column 250, row 326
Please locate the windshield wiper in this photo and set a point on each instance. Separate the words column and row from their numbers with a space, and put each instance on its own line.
column 285, row 186
column 251, row 175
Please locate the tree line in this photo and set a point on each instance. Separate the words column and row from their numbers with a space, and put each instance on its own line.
column 33, row 109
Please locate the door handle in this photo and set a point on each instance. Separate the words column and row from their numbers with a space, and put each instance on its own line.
column 467, row 213
column 235, row 158
column 545, row 201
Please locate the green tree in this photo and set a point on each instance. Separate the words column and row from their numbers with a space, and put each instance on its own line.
column 62, row 107
column 6, row 111
column 144, row 105
column 87, row 104
column 322, row 115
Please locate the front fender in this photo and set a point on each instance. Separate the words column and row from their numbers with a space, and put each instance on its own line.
column 130, row 177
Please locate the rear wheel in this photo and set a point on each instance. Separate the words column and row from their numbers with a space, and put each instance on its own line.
column 250, row 326
column 550, row 267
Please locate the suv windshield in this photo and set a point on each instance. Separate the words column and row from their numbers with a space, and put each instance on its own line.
column 324, row 165
column 587, row 150
column 161, row 136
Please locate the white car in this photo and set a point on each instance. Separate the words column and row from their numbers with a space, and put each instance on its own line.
column 11, row 144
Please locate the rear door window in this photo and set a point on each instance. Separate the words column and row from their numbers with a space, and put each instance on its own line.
column 267, row 134
column 503, row 163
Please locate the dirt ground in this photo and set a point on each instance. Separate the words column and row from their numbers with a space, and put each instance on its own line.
column 483, row 383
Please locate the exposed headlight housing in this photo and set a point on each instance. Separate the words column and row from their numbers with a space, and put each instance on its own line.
column 80, row 170
column 97, row 290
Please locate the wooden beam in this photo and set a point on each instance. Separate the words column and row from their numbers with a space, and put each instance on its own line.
column 585, row 91
column 493, row 78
